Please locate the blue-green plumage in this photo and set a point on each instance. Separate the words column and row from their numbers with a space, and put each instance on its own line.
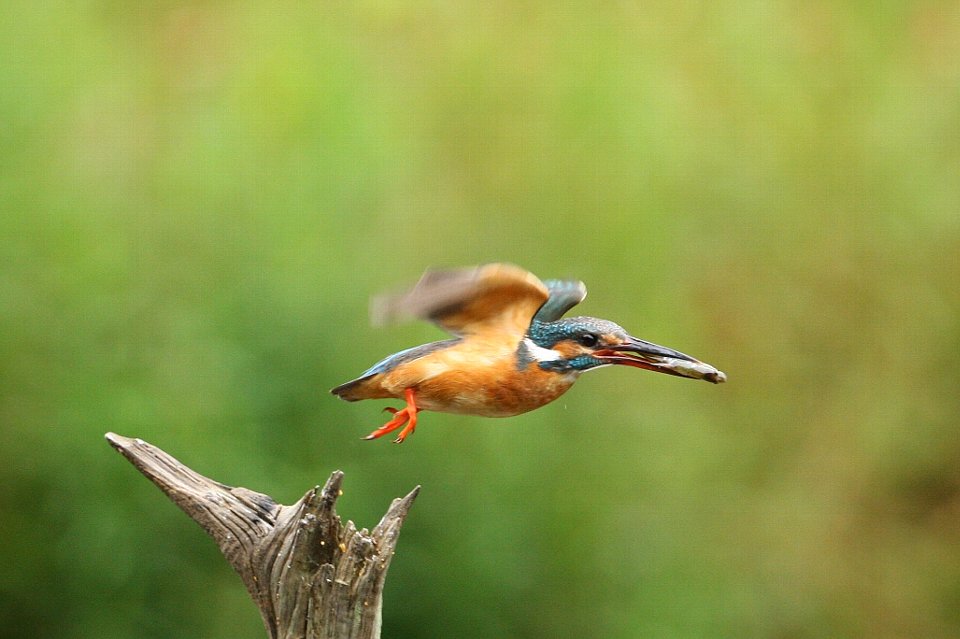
column 585, row 331
column 389, row 363
column 512, row 352
column 547, row 334
column 564, row 295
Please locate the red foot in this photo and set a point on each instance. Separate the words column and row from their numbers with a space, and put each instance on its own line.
column 406, row 415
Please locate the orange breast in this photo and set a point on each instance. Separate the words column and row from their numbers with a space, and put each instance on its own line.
column 477, row 377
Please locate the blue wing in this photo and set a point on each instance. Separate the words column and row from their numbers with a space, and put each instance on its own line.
column 564, row 295
column 348, row 391
column 408, row 355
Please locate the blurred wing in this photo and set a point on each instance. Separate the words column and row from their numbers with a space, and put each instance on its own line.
column 564, row 295
column 469, row 301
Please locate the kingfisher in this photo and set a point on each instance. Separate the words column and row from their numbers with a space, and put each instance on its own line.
column 512, row 350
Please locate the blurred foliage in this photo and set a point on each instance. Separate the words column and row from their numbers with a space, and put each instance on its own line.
column 197, row 199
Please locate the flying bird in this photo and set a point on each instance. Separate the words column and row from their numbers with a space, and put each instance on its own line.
column 512, row 350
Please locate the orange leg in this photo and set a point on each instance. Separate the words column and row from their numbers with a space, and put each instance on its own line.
column 406, row 415
column 411, row 411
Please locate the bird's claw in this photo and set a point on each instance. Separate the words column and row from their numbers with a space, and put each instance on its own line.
column 406, row 415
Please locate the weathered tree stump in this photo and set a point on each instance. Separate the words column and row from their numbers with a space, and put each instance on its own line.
column 311, row 576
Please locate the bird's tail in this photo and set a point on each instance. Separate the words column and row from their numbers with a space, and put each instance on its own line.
column 353, row 390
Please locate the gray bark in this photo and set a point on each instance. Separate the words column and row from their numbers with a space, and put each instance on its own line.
column 311, row 576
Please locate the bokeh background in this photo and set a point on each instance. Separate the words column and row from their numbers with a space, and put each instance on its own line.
column 198, row 198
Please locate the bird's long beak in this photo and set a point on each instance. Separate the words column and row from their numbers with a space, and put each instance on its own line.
column 640, row 354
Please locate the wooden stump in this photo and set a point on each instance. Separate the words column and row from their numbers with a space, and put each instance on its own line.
column 311, row 576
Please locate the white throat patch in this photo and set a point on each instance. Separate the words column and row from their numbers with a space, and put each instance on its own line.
column 539, row 353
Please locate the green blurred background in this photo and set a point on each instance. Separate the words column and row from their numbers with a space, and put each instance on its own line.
column 198, row 198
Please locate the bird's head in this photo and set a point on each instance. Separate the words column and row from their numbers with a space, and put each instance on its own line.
column 577, row 344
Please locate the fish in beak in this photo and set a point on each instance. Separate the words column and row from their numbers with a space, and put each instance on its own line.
column 641, row 354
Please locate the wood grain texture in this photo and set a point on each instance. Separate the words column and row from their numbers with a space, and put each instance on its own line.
column 311, row 576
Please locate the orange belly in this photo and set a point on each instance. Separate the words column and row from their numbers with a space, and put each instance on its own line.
column 475, row 379
column 489, row 395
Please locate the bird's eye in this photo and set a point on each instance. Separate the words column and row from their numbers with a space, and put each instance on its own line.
column 589, row 340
